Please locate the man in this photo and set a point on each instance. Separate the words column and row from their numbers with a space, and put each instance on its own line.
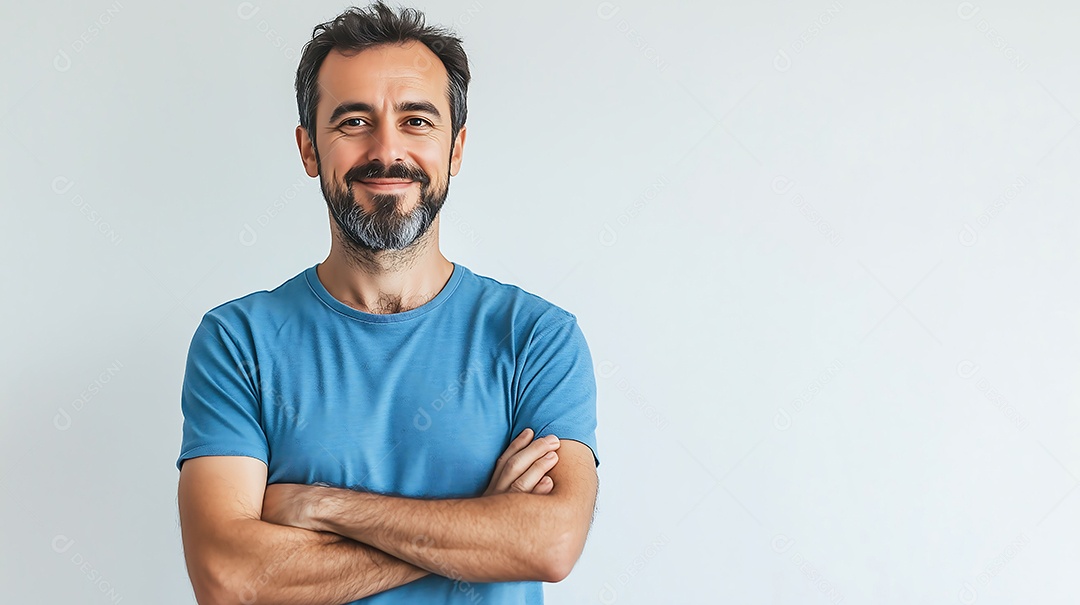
column 386, row 426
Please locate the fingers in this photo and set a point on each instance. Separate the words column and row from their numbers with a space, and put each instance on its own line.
column 544, row 486
column 498, row 483
column 518, row 463
column 515, row 446
column 524, row 469
column 524, row 464
column 529, row 480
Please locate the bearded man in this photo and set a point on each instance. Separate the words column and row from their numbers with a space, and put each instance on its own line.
column 386, row 426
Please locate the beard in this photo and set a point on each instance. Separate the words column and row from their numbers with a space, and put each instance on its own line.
column 386, row 227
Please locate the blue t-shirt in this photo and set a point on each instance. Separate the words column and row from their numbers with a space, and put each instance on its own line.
column 417, row 404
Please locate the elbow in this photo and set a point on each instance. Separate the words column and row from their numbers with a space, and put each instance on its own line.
column 561, row 557
column 208, row 587
column 214, row 586
column 556, row 571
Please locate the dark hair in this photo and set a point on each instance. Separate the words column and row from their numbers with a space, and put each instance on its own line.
column 357, row 29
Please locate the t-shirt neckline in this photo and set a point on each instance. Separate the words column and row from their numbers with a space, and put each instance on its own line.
column 324, row 295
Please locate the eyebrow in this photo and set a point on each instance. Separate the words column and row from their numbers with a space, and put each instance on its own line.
column 402, row 107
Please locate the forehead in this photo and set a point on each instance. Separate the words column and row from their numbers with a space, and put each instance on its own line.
column 383, row 74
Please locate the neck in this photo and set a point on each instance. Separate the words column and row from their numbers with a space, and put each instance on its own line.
column 385, row 281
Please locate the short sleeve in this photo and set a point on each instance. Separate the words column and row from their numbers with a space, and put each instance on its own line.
column 556, row 389
column 219, row 399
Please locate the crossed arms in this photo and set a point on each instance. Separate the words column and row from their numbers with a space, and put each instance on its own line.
column 246, row 542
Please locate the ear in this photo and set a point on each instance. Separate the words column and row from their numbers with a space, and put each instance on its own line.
column 307, row 152
column 459, row 146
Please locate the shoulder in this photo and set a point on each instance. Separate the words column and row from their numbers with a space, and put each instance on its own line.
column 529, row 312
column 244, row 316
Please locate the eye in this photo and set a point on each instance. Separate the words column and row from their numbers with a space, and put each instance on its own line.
column 346, row 122
column 422, row 121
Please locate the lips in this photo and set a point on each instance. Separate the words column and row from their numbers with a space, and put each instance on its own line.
column 386, row 184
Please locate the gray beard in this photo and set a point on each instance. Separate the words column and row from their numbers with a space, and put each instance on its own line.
column 385, row 228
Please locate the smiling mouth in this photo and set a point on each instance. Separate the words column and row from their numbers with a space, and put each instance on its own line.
column 386, row 184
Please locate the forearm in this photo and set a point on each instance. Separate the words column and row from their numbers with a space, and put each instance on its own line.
column 498, row 538
column 264, row 563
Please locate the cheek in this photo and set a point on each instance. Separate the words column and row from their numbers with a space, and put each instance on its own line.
column 434, row 163
column 341, row 159
column 341, row 149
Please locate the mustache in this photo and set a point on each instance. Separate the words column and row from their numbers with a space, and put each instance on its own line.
column 376, row 170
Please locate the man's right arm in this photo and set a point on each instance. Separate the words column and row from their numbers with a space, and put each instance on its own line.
column 234, row 557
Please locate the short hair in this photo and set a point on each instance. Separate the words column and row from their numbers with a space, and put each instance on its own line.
column 357, row 29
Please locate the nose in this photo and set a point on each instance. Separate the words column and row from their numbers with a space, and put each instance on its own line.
column 387, row 144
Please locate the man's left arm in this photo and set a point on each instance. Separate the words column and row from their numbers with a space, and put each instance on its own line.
column 498, row 538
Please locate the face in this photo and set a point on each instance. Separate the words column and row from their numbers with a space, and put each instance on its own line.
column 382, row 144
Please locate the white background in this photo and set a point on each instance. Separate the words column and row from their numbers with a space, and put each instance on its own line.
column 824, row 254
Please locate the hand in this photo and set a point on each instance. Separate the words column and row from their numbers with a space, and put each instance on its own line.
column 291, row 504
column 523, row 466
